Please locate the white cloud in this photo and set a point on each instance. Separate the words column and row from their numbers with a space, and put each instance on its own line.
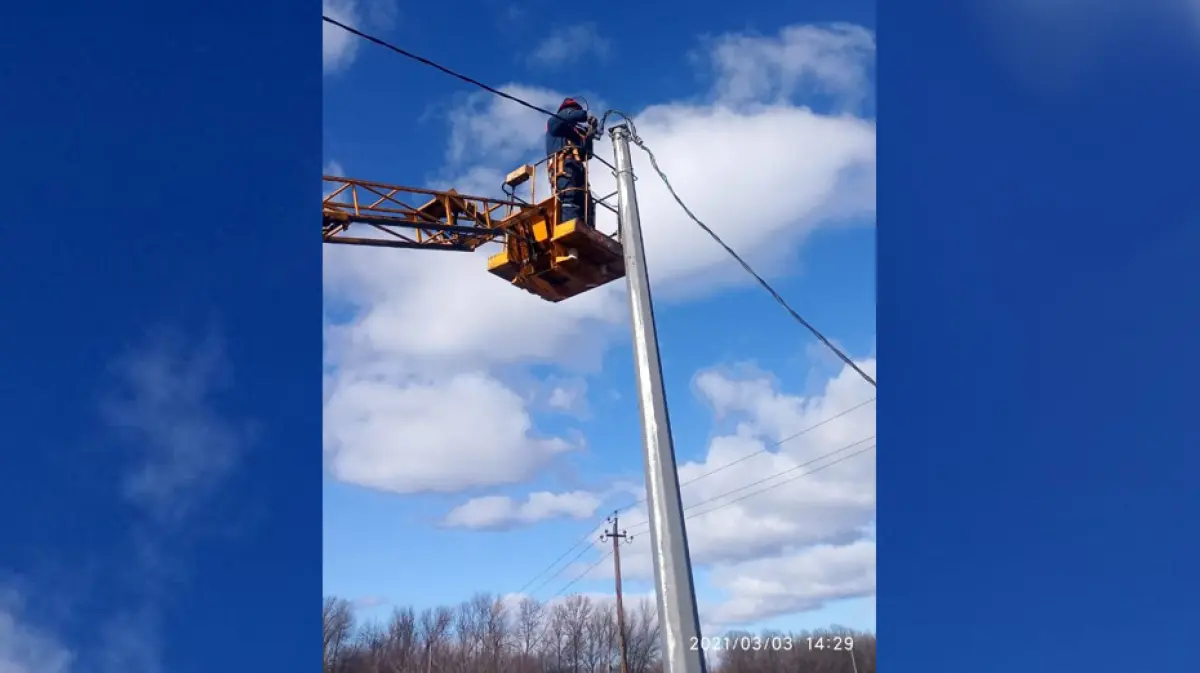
column 409, row 436
column 790, row 543
column 834, row 60
column 339, row 47
column 569, row 45
column 183, row 451
column 369, row 602
column 25, row 648
column 178, row 451
column 799, row 582
column 181, row 448
column 497, row 512
column 485, row 126
column 432, row 327
column 569, row 396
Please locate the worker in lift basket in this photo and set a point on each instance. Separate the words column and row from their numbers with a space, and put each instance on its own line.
column 569, row 137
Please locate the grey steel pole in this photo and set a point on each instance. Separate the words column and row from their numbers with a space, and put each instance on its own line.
column 678, row 619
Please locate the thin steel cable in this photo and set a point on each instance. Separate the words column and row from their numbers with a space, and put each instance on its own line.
column 581, row 575
column 555, row 562
column 720, row 468
column 448, row 71
column 738, row 258
column 785, row 481
column 774, row 476
column 670, row 188
column 561, row 570
column 766, row 449
column 695, row 515
column 637, row 140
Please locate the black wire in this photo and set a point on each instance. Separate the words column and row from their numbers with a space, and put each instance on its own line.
column 581, row 575
column 666, row 181
column 831, row 463
column 431, row 64
column 777, row 475
column 653, row 162
column 561, row 570
column 555, row 562
column 761, row 281
column 765, row 449
column 728, row 465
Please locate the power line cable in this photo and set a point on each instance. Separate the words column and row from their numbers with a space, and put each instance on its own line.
column 776, row 476
column 562, row 570
column 637, row 140
column 583, row 574
column 762, row 450
column 785, row 481
column 555, row 561
column 448, row 71
column 695, row 515
column 670, row 188
column 720, row 468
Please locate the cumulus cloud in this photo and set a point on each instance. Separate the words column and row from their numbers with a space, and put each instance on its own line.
column 570, row 45
column 181, row 448
column 800, row 582
column 24, row 647
column 772, row 545
column 369, row 602
column 178, row 452
column 568, row 396
column 834, row 60
column 463, row 432
column 788, row 543
column 432, row 331
column 339, row 47
column 498, row 512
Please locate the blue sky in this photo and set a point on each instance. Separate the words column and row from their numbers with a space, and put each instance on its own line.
column 1036, row 271
column 490, row 504
column 152, row 450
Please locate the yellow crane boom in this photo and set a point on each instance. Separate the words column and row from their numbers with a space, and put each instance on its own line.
column 551, row 259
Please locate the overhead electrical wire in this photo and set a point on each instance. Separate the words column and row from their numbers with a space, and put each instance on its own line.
column 761, row 451
column 590, row 533
column 831, row 463
column 694, row 514
column 637, row 140
column 448, row 71
column 561, row 570
column 653, row 162
column 642, row 524
column 746, row 265
column 553, row 563
column 583, row 574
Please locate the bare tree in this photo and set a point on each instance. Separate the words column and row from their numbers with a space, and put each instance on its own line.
column 575, row 635
column 338, row 625
column 643, row 639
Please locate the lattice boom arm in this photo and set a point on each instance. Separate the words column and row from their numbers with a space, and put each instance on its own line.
column 386, row 216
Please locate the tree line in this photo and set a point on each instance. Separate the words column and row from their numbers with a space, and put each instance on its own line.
column 576, row 635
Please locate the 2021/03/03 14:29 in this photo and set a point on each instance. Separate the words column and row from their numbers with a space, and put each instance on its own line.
column 749, row 643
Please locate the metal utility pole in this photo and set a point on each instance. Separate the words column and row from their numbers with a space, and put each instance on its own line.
column 678, row 619
column 616, row 540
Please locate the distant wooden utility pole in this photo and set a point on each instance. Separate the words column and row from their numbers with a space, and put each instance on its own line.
column 616, row 538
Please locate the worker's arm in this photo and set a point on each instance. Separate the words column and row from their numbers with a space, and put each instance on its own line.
column 562, row 125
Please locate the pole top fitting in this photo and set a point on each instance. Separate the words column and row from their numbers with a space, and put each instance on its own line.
column 619, row 129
